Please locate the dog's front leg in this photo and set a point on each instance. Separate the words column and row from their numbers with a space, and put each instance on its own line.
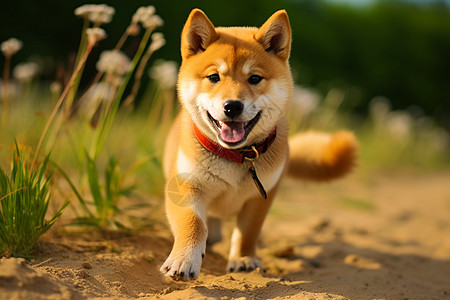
column 187, row 218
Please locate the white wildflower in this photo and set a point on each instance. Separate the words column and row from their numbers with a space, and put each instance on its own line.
column 84, row 10
column 165, row 73
column 304, row 101
column 146, row 16
column 157, row 41
column 441, row 139
column 113, row 62
column 97, row 95
column 400, row 125
column 433, row 136
column 11, row 46
column 102, row 14
column 379, row 108
column 95, row 35
column 96, row 13
column 55, row 87
column 24, row 72
column 153, row 22
column 143, row 13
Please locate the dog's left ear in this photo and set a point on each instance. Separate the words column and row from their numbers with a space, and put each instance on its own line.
column 275, row 35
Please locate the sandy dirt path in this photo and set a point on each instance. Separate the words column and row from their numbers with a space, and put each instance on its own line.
column 369, row 236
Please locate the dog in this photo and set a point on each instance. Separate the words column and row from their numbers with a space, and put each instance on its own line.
column 229, row 148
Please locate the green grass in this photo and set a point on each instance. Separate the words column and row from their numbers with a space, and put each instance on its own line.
column 25, row 197
column 85, row 155
column 357, row 204
column 84, row 151
column 106, row 192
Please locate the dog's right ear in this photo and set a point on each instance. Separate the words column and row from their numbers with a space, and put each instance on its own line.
column 198, row 33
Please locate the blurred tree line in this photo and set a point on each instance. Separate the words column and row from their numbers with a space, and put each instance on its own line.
column 397, row 49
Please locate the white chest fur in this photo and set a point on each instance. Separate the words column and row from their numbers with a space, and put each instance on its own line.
column 226, row 185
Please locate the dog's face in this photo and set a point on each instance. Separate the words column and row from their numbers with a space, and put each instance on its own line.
column 235, row 82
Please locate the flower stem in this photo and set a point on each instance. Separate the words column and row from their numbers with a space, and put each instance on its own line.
column 138, row 76
column 76, row 81
column 106, row 125
column 6, row 90
column 119, row 45
column 60, row 101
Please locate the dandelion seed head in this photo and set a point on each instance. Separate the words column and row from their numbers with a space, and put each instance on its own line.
column 11, row 46
column 95, row 35
column 165, row 73
column 157, row 41
column 113, row 62
column 24, row 72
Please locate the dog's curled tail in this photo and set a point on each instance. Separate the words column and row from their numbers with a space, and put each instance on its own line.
column 321, row 156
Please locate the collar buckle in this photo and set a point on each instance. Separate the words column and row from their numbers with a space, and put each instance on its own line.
column 253, row 159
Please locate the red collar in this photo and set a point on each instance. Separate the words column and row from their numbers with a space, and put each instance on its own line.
column 237, row 155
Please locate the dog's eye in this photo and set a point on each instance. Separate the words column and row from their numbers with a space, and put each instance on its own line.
column 255, row 79
column 214, row 78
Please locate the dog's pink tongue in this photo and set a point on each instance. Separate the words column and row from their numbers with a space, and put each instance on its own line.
column 232, row 132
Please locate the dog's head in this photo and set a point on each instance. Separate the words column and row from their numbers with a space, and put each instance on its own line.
column 235, row 82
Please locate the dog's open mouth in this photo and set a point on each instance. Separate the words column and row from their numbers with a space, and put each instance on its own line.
column 234, row 132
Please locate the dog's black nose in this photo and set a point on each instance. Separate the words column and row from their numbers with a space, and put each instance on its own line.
column 233, row 108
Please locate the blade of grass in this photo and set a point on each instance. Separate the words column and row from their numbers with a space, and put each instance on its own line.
column 74, row 189
column 94, row 185
column 25, row 197
column 107, row 121
column 60, row 102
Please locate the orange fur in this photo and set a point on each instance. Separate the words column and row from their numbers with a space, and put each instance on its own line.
column 218, row 67
column 320, row 156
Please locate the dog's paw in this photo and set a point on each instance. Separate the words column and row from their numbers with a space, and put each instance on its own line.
column 244, row 264
column 184, row 267
column 180, row 269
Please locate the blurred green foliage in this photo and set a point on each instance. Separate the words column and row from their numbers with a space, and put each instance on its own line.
column 396, row 49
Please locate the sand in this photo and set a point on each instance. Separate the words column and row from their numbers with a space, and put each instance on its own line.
column 383, row 235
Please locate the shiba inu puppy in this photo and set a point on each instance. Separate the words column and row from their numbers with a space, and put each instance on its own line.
column 228, row 148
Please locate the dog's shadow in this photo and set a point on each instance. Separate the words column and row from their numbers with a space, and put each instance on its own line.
column 214, row 262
